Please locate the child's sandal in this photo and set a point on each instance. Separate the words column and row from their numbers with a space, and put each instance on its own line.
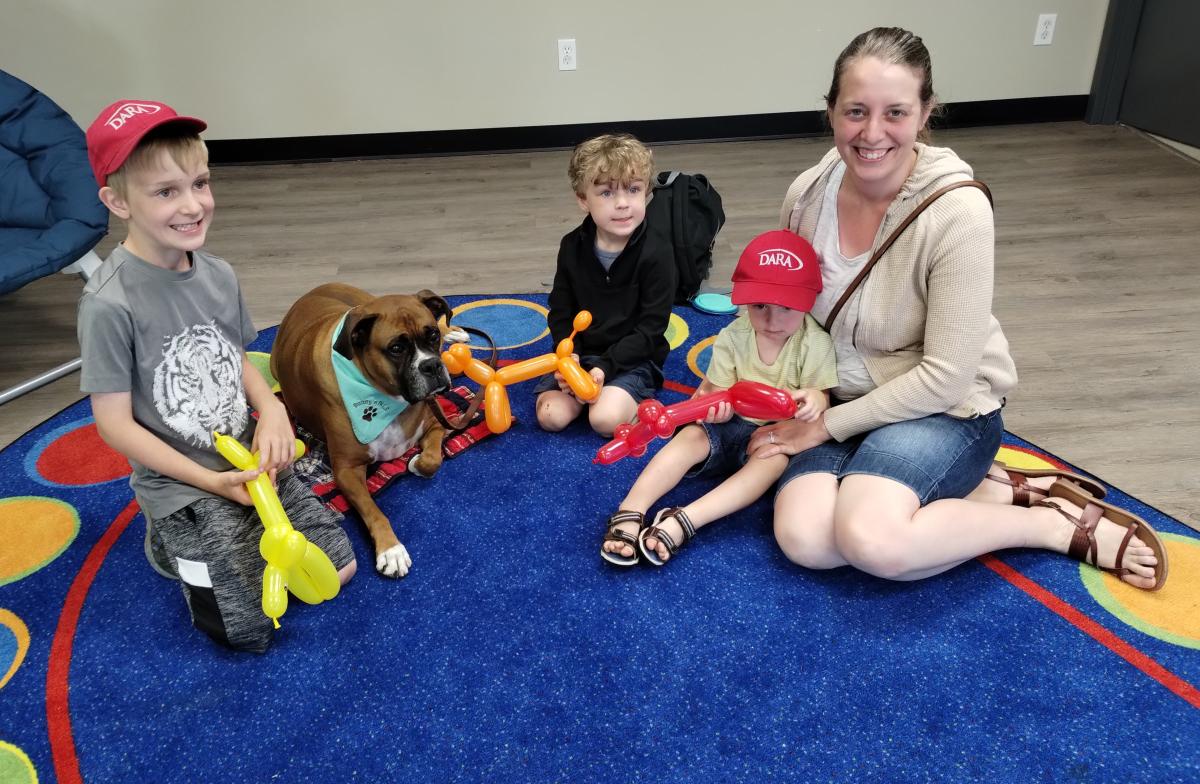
column 658, row 533
column 615, row 534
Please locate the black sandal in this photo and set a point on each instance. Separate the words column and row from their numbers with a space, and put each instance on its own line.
column 615, row 534
column 658, row 533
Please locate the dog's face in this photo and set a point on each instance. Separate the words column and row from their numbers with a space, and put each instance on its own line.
column 397, row 344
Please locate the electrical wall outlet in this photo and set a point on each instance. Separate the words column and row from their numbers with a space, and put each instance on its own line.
column 1043, row 34
column 568, row 55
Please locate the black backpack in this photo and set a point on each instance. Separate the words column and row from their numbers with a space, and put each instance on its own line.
column 686, row 209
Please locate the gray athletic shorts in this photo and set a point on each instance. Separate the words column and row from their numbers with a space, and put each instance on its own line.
column 212, row 545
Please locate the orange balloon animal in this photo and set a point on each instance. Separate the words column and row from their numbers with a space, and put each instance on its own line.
column 496, row 410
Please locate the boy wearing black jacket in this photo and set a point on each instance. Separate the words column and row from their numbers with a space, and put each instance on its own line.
column 615, row 266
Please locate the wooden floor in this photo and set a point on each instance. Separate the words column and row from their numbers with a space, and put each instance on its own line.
column 1098, row 274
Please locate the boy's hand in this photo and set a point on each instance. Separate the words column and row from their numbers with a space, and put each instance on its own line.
column 721, row 412
column 232, row 485
column 598, row 376
column 809, row 404
column 274, row 440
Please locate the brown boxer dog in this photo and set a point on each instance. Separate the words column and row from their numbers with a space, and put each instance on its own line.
column 394, row 341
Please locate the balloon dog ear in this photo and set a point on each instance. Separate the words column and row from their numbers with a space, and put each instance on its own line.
column 437, row 306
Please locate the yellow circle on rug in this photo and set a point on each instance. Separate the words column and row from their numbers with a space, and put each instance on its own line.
column 1014, row 457
column 35, row 530
column 1171, row 614
column 15, row 765
column 677, row 332
column 15, row 649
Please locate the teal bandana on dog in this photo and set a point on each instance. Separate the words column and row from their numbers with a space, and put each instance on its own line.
column 370, row 410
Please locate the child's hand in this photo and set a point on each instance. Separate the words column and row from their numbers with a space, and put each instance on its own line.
column 232, row 485
column 598, row 376
column 721, row 412
column 809, row 404
column 274, row 440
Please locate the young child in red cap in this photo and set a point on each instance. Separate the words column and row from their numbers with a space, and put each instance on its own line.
column 162, row 326
column 775, row 342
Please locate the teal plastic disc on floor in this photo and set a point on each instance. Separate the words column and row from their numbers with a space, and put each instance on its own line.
column 716, row 304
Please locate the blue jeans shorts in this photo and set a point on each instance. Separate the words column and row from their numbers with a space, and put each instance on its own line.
column 642, row 382
column 938, row 456
column 727, row 442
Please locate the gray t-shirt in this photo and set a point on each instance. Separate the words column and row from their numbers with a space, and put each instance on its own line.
column 173, row 340
column 606, row 257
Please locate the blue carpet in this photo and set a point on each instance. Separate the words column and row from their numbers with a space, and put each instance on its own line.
column 511, row 653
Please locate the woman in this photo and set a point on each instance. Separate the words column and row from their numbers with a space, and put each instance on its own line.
column 894, row 479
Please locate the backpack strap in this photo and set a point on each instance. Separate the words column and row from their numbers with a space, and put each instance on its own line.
column 883, row 248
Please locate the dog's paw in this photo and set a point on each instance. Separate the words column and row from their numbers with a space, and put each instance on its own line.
column 393, row 562
column 422, row 467
column 456, row 335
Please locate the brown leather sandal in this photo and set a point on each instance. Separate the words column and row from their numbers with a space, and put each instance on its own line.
column 615, row 534
column 658, row 533
column 1083, row 545
column 1025, row 494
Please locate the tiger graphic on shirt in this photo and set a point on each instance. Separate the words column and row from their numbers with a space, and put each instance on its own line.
column 198, row 385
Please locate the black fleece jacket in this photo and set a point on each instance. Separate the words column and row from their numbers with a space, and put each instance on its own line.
column 630, row 304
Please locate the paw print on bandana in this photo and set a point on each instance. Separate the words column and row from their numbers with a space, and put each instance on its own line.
column 369, row 413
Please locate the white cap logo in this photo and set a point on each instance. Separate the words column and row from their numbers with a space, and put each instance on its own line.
column 779, row 257
column 127, row 110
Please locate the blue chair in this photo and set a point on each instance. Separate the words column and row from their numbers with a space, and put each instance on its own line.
column 50, row 216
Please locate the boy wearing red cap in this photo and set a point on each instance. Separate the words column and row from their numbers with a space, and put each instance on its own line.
column 775, row 342
column 161, row 326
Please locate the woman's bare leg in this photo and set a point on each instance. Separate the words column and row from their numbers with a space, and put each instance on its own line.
column 804, row 511
column 880, row 528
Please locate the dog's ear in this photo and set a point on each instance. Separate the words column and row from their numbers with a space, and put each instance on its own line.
column 360, row 336
column 437, row 306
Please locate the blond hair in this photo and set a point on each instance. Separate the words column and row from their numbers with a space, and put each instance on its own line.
column 613, row 157
column 181, row 144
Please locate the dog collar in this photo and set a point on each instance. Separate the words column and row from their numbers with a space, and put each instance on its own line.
column 370, row 410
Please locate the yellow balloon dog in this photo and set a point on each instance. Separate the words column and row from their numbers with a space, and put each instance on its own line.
column 496, row 411
column 293, row 562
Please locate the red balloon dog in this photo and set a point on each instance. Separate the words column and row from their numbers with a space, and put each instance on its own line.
column 748, row 398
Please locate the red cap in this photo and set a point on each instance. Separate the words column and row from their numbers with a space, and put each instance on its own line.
column 115, row 133
column 777, row 268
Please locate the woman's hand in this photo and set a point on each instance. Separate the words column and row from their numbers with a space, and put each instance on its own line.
column 790, row 437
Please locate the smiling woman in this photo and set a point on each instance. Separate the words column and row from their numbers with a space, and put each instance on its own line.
column 897, row 478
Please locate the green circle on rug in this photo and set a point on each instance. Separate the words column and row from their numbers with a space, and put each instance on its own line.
column 262, row 362
column 15, row 765
column 1168, row 614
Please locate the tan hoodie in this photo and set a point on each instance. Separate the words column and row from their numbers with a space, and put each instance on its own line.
column 925, row 326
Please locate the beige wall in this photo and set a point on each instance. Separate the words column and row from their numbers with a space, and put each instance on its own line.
column 264, row 68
